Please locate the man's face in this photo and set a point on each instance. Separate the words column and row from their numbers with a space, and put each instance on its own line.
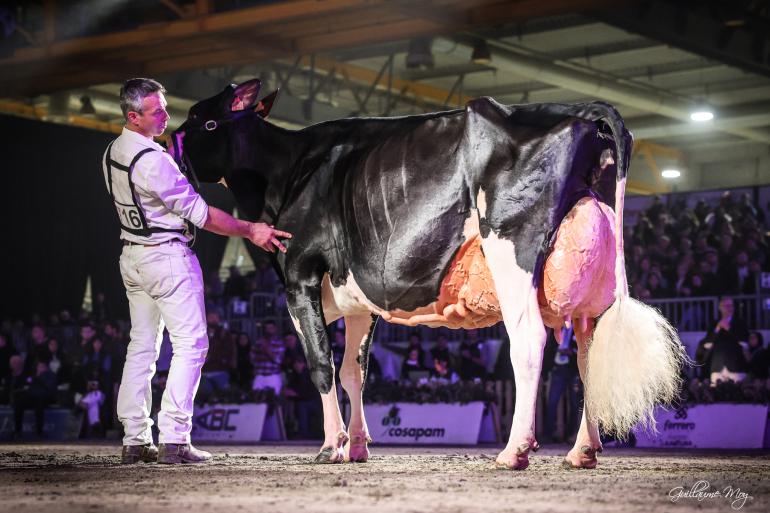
column 86, row 332
column 153, row 119
column 726, row 307
column 38, row 334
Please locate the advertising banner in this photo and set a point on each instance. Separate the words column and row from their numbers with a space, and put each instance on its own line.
column 425, row 424
column 707, row 426
column 229, row 423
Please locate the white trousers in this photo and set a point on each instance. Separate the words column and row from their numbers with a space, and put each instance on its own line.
column 164, row 286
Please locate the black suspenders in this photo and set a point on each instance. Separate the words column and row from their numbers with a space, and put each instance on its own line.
column 145, row 230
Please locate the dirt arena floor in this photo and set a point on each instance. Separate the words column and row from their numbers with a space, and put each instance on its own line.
column 267, row 478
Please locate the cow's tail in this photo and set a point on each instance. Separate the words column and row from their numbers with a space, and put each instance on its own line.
column 634, row 356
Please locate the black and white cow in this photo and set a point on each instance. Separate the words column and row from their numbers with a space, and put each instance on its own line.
column 462, row 219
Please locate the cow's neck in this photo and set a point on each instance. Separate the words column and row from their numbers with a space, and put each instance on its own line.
column 260, row 174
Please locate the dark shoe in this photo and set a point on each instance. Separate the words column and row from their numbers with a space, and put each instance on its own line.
column 136, row 453
column 181, row 453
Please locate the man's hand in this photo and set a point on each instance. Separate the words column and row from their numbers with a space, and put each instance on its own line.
column 266, row 237
column 723, row 324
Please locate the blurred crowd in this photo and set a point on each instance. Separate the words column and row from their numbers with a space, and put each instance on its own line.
column 76, row 361
column 674, row 251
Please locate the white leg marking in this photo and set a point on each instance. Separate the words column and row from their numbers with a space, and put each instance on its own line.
column 521, row 314
column 351, row 376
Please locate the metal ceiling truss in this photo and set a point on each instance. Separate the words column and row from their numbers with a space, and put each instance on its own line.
column 736, row 32
column 202, row 38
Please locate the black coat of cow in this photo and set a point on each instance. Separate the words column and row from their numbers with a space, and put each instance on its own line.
column 387, row 198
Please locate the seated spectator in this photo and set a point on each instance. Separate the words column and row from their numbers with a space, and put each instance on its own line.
column 560, row 362
column 266, row 358
column 244, row 373
column 740, row 279
column 6, row 351
column 681, row 279
column 15, row 380
column 757, row 356
column 655, row 287
column 39, row 392
column 442, row 359
column 415, row 342
column 412, row 365
column 235, row 286
column 91, row 403
column 221, row 357
column 97, row 358
column 472, row 364
column 293, row 348
column 37, row 349
column 303, row 397
column 58, row 362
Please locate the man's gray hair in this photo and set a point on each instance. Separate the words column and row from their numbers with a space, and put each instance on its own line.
column 134, row 91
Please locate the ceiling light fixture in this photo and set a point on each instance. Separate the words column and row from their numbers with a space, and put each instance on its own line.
column 419, row 55
column 670, row 174
column 701, row 114
column 481, row 54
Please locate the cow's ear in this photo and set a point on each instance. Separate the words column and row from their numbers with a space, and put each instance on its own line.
column 245, row 95
column 266, row 103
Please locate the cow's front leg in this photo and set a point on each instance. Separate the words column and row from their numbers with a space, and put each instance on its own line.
column 521, row 314
column 307, row 315
column 587, row 443
column 358, row 336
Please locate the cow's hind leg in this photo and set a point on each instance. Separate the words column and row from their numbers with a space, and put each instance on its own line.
column 358, row 334
column 308, row 320
column 587, row 443
column 521, row 314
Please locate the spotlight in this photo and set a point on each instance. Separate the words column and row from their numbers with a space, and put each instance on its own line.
column 701, row 114
column 670, row 174
column 87, row 106
column 419, row 55
column 481, row 54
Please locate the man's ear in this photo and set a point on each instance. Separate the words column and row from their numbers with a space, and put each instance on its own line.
column 245, row 95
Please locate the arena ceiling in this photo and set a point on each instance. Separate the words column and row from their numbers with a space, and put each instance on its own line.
column 658, row 61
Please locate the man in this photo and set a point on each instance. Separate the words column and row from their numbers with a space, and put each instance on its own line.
column 162, row 276
column 722, row 351
column 38, row 392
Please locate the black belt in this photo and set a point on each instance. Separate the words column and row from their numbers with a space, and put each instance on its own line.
column 129, row 243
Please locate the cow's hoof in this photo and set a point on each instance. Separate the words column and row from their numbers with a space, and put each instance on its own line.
column 518, row 460
column 330, row 455
column 333, row 453
column 357, row 450
column 585, row 458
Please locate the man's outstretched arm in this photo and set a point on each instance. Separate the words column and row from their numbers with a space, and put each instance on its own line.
column 261, row 234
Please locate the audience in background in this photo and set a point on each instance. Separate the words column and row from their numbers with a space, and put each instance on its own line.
column 77, row 361
column 676, row 252
column 472, row 364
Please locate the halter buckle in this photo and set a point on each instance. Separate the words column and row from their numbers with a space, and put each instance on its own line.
column 210, row 125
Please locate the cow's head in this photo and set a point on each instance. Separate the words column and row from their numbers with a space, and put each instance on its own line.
column 205, row 142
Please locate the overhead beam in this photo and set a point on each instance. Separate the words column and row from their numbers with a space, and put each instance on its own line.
column 361, row 75
column 513, row 59
column 751, row 116
column 287, row 28
column 683, row 25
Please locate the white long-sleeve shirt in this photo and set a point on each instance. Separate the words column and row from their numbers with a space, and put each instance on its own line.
column 161, row 190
